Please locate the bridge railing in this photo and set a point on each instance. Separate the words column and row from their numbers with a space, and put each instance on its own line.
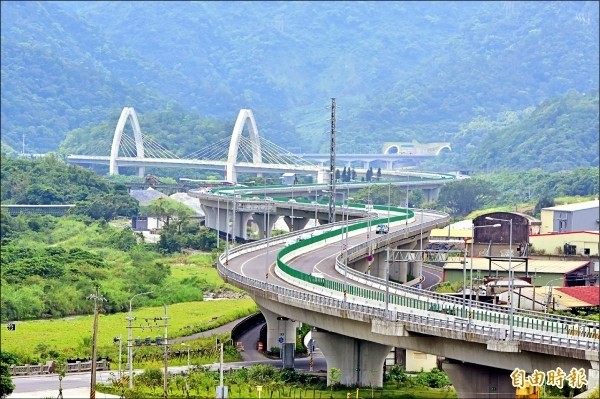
column 484, row 332
column 494, row 314
column 436, row 297
column 432, row 301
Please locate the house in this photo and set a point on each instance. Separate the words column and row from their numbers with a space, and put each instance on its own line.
column 584, row 243
column 582, row 216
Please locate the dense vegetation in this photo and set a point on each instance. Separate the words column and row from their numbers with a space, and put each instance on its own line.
column 536, row 188
column 49, row 181
column 510, row 189
column 50, row 265
column 278, row 383
column 399, row 70
column 559, row 134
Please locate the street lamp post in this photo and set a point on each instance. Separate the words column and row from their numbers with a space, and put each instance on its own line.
column 227, row 234
column 120, row 352
column 268, row 234
column 233, row 241
column 188, row 356
column 130, row 318
column 218, row 218
column 389, row 200
column 316, row 205
column 369, row 208
column 549, row 294
column 292, row 209
column 511, row 274
column 346, row 246
column 407, row 184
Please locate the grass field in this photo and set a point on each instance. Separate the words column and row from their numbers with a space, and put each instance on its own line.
column 243, row 391
column 72, row 336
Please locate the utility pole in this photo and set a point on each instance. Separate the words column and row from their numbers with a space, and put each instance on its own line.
column 96, row 297
column 165, row 356
column 332, row 165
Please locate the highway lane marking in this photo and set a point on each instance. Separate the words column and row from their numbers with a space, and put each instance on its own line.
column 275, row 249
column 251, row 259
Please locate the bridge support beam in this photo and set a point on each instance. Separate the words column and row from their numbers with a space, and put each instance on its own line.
column 360, row 362
column 431, row 194
column 210, row 216
column 296, row 223
column 264, row 226
column 279, row 327
column 593, row 375
column 323, row 175
column 230, row 173
column 478, row 381
column 378, row 267
column 241, row 221
column 399, row 270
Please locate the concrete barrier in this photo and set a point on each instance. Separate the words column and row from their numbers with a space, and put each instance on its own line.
column 50, row 368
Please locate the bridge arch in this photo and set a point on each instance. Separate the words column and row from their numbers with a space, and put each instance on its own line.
column 392, row 149
column 245, row 116
column 442, row 148
column 127, row 113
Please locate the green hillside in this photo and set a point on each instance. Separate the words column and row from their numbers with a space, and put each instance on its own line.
column 400, row 70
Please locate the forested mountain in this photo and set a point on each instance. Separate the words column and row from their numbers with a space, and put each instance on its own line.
column 399, row 70
column 559, row 134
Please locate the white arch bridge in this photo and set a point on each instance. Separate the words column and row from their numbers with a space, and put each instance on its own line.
column 233, row 155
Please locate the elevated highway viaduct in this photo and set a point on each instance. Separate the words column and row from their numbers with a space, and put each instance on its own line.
column 359, row 314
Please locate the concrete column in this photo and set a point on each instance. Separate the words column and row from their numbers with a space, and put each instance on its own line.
column 210, row 216
column 477, row 381
column 141, row 171
column 399, row 270
column 221, row 217
column 241, row 220
column 360, row 265
column 432, row 194
column 418, row 266
column 299, row 223
column 360, row 362
column 593, row 375
column 259, row 219
column 378, row 266
column 279, row 327
column 231, row 173
column 388, row 165
column 323, row 175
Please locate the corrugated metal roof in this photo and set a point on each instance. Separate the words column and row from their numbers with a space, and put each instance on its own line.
column 535, row 265
column 575, row 207
column 588, row 295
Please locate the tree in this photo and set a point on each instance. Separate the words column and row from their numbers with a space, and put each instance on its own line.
column 353, row 174
column 543, row 202
column 344, row 174
column 337, row 175
column 334, row 376
column 7, row 386
column 369, row 174
column 60, row 368
column 466, row 195
column 166, row 209
column 378, row 173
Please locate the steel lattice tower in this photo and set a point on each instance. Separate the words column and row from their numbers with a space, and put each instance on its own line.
column 332, row 165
